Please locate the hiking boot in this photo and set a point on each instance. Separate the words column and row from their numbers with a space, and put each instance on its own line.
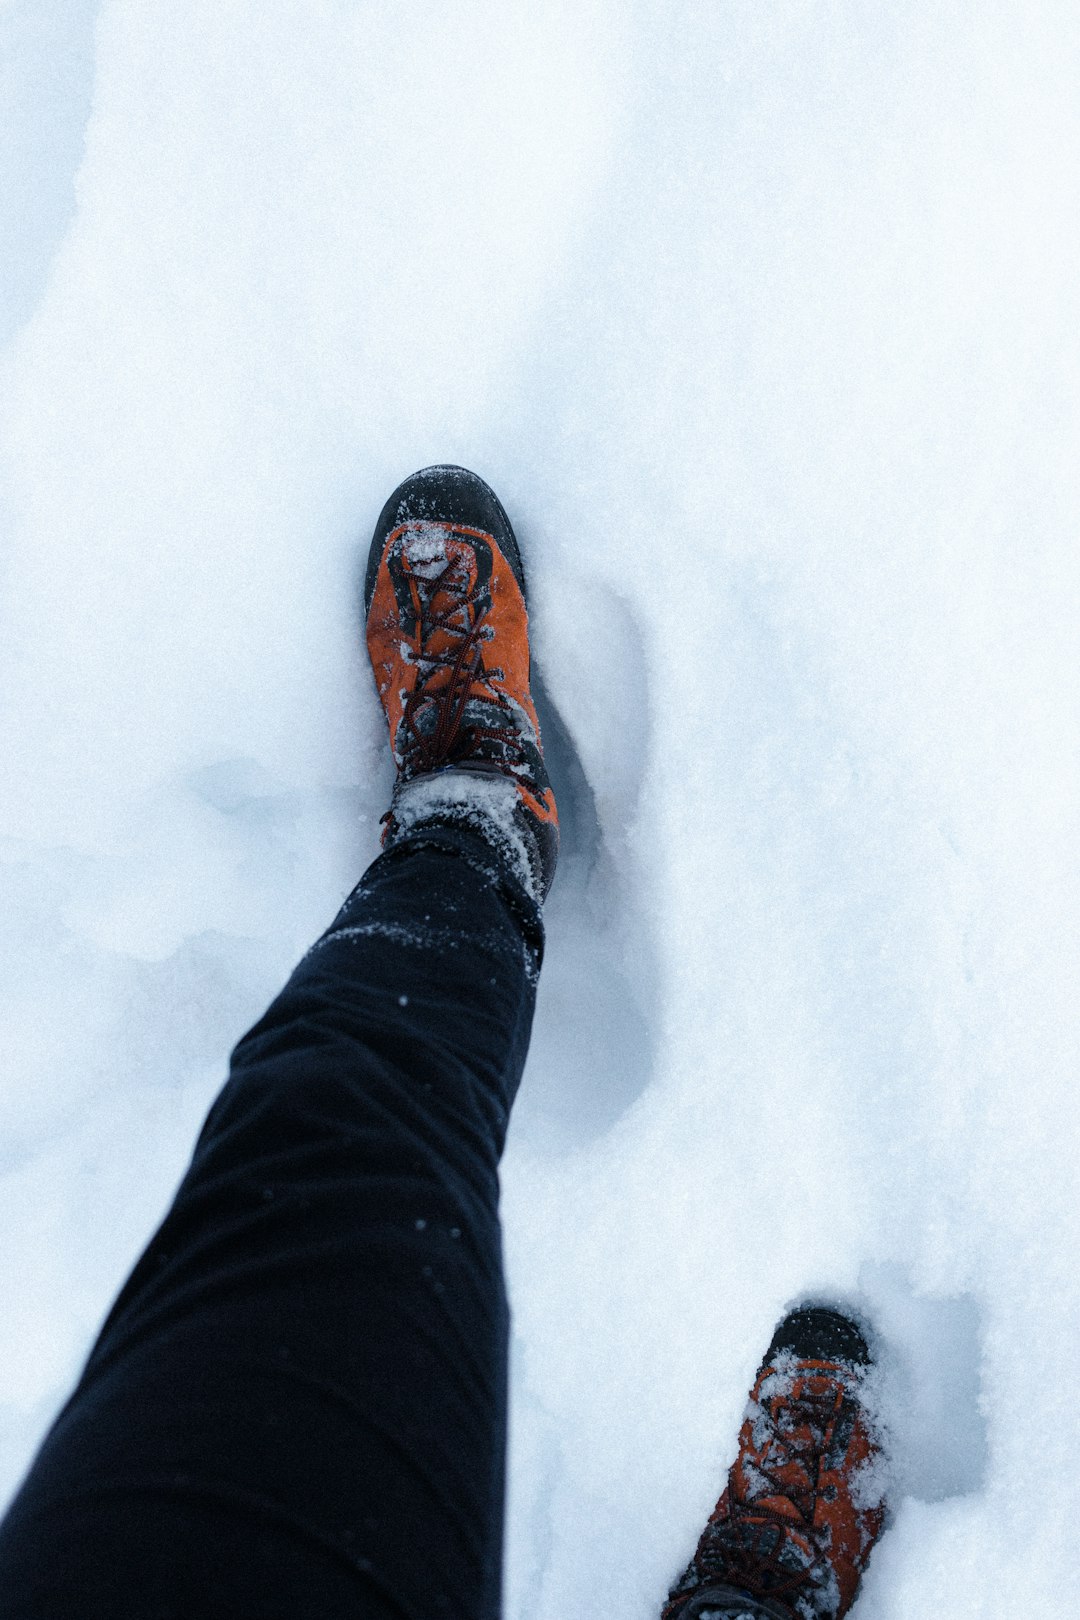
column 448, row 636
column 791, row 1535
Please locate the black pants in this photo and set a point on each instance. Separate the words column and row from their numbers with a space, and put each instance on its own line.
column 297, row 1406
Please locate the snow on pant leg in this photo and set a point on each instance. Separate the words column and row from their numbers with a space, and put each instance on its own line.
column 296, row 1407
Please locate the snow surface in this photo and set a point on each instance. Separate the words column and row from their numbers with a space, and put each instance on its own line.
column 762, row 320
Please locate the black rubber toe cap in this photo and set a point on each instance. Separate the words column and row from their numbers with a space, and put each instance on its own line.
column 444, row 495
column 817, row 1333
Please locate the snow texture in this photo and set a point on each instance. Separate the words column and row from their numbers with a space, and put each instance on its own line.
column 762, row 321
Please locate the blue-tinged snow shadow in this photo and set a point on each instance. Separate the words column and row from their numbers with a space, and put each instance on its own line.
column 930, row 1352
column 46, row 87
column 579, row 826
column 592, row 1053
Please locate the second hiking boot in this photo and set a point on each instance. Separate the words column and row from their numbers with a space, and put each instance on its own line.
column 791, row 1535
column 448, row 637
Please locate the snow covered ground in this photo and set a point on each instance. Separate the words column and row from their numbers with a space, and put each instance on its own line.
column 762, row 317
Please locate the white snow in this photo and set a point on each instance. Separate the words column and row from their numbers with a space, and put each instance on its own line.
column 762, row 320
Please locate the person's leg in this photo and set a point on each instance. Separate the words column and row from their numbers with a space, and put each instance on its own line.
column 297, row 1405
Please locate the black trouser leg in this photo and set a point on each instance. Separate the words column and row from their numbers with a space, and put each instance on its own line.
column 296, row 1407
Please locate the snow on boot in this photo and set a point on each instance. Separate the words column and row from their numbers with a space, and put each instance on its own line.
column 448, row 637
column 791, row 1535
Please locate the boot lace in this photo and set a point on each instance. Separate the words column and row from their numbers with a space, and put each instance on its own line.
column 437, row 728
column 752, row 1545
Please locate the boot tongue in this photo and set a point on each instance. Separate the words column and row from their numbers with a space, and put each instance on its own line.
column 428, row 552
column 425, row 552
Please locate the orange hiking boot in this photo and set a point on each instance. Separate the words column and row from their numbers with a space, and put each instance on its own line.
column 448, row 636
column 791, row 1535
